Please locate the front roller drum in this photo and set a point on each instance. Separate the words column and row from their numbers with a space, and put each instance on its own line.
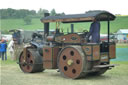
column 33, row 62
column 72, row 62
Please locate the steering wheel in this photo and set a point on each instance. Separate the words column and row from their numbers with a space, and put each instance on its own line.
column 85, row 31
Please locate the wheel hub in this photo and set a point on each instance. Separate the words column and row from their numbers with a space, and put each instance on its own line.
column 70, row 62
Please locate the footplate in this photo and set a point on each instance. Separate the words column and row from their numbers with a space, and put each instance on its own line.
column 105, row 66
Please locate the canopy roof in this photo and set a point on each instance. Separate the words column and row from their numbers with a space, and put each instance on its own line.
column 87, row 17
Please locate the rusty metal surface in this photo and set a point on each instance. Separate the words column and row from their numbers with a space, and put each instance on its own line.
column 50, row 57
column 87, row 49
column 104, row 57
column 55, row 54
column 89, row 58
column 47, row 57
column 96, row 52
column 72, row 62
column 50, row 38
column 69, row 38
column 92, row 52
column 112, row 51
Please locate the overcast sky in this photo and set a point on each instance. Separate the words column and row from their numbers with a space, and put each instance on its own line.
column 69, row 6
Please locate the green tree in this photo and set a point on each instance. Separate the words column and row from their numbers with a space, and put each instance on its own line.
column 60, row 14
column 53, row 12
column 13, row 13
column 27, row 20
column 41, row 12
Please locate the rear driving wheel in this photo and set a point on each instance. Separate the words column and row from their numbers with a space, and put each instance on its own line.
column 71, row 62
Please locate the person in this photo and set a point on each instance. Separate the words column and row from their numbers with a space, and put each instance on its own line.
column 94, row 31
column 3, row 49
column 0, row 49
column 11, row 49
column 125, row 40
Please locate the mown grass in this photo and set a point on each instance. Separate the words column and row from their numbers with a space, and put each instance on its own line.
column 12, row 75
column 122, row 45
column 119, row 23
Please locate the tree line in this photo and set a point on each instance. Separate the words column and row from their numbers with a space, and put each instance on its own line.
column 22, row 13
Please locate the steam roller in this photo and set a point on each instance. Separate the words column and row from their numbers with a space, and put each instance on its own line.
column 73, row 53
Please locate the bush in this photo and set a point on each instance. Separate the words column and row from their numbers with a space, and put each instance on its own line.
column 27, row 20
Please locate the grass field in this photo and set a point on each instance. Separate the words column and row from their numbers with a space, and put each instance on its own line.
column 7, row 24
column 12, row 75
column 122, row 45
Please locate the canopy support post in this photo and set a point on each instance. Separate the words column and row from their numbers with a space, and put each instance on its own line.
column 108, row 30
column 108, row 34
